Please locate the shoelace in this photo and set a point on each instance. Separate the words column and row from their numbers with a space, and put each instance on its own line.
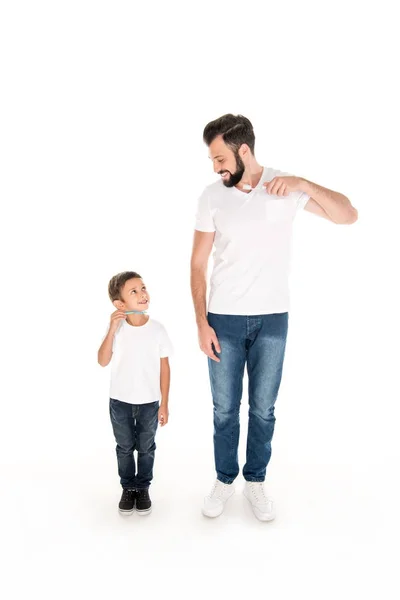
column 257, row 489
column 217, row 490
column 127, row 494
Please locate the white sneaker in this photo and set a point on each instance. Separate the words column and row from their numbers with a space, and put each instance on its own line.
column 214, row 503
column 263, row 507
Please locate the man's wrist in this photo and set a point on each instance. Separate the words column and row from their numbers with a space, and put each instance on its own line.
column 305, row 186
column 201, row 321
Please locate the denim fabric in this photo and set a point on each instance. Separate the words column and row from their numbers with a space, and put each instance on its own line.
column 257, row 342
column 134, row 427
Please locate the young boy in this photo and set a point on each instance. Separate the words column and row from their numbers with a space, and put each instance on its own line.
column 140, row 376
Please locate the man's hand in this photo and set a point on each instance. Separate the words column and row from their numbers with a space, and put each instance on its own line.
column 163, row 415
column 282, row 186
column 207, row 337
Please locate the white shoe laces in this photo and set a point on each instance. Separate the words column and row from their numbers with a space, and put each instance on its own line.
column 217, row 491
column 258, row 492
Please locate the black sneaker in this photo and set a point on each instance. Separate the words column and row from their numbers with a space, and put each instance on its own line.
column 127, row 502
column 143, row 502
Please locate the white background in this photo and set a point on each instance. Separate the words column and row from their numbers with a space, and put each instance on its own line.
column 102, row 160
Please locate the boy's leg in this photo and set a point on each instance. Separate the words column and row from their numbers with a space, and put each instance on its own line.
column 226, row 378
column 146, row 427
column 264, row 364
column 122, row 417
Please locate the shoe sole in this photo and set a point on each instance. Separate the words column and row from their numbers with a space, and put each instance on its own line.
column 146, row 511
column 124, row 511
column 260, row 516
column 212, row 514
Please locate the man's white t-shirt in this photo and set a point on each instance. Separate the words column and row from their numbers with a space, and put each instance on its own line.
column 135, row 363
column 252, row 246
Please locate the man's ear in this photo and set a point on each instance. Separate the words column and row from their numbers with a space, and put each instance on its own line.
column 244, row 151
column 119, row 305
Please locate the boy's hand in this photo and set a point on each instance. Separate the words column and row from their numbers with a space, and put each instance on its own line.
column 115, row 319
column 163, row 415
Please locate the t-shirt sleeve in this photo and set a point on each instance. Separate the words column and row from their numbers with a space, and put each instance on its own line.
column 204, row 220
column 302, row 199
column 165, row 345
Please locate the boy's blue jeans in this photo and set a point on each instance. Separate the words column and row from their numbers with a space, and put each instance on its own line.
column 258, row 342
column 134, row 427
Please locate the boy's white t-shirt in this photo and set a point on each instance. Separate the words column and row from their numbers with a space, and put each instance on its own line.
column 135, row 363
column 253, row 235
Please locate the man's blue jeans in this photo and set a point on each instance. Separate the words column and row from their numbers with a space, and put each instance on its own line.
column 258, row 341
column 134, row 427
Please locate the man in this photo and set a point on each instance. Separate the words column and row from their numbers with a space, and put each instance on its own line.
column 248, row 216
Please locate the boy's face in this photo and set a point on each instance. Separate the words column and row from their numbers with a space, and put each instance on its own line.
column 134, row 296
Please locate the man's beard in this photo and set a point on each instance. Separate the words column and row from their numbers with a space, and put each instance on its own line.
column 235, row 177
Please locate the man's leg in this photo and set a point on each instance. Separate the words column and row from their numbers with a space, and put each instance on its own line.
column 123, row 423
column 266, row 351
column 226, row 378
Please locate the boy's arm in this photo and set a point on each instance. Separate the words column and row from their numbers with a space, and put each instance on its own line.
column 165, row 378
column 106, row 349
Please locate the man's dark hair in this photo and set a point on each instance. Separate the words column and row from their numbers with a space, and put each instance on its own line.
column 117, row 283
column 235, row 130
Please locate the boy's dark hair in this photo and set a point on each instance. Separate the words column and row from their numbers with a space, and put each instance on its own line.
column 117, row 283
column 235, row 130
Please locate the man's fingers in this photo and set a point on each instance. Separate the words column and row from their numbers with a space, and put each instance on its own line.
column 268, row 186
column 208, row 352
column 216, row 344
column 282, row 190
column 211, row 354
column 208, row 343
column 274, row 187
